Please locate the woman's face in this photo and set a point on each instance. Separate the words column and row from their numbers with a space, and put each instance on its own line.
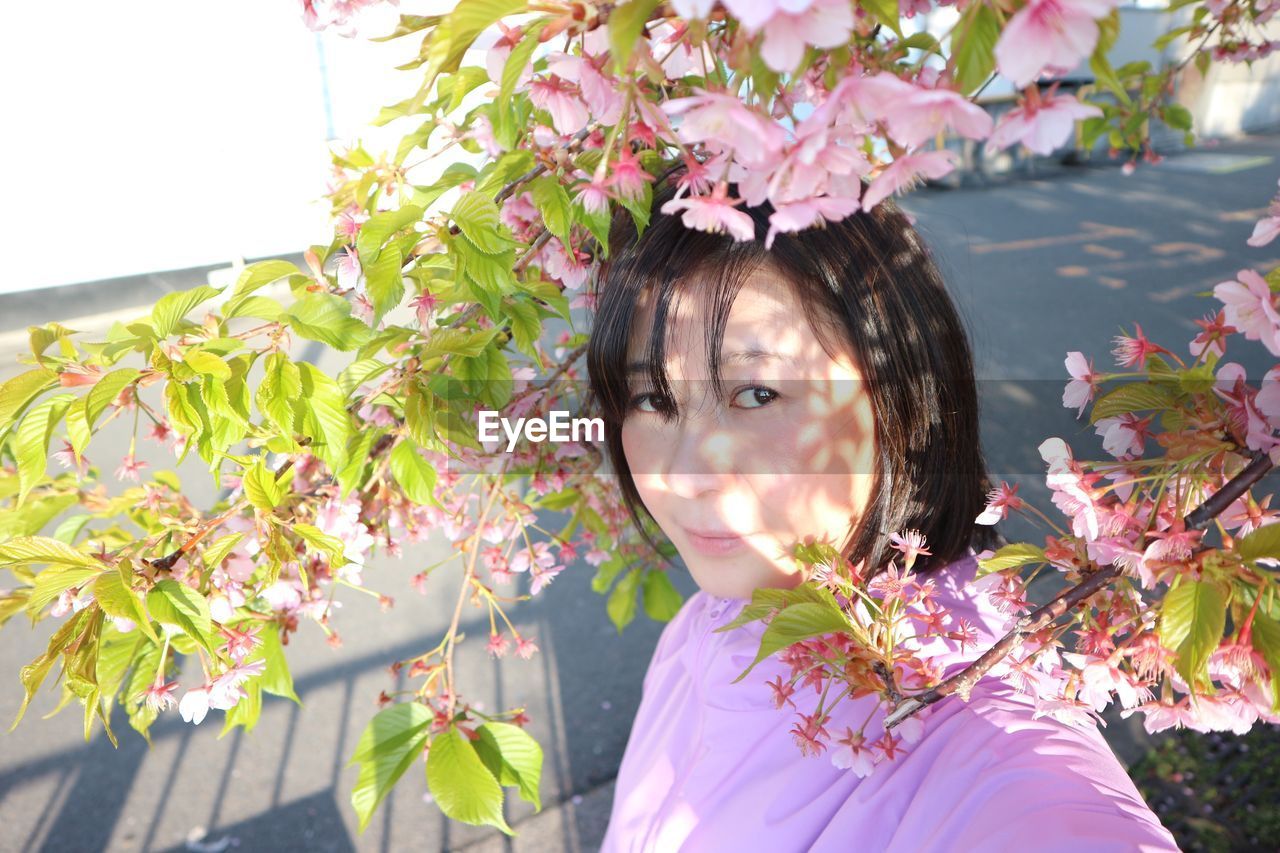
column 784, row 455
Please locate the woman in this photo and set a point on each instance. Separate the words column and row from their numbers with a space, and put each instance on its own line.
column 820, row 390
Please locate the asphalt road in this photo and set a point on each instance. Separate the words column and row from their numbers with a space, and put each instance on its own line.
column 1039, row 267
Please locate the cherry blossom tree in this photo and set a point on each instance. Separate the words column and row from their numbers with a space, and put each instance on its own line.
column 444, row 298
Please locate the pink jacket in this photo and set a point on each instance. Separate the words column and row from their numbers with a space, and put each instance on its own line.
column 710, row 765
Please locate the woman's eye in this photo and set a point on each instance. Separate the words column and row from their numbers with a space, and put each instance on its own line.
column 754, row 397
column 651, row 402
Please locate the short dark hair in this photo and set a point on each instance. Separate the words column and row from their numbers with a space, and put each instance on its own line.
column 871, row 280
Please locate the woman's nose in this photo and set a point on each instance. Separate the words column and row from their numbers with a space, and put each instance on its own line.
column 701, row 457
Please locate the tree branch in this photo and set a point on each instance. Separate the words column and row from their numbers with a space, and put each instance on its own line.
column 1043, row 616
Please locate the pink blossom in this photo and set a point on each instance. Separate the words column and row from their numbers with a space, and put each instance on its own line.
column 239, row 643
column 1267, row 228
column 714, row 213
column 916, row 114
column 1049, row 35
column 350, row 220
column 424, row 305
column 67, row 458
column 348, row 269
column 557, row 96
column 1123, row 436
column 498, row 644
column 540, row 556
column 601, row 94
column 1041, row 128
column 159, row 697
column 1158, row 716
column 629, row 178
column 801, row 214
column 891, row 585
column 853, row 753
column 723, row 118
column 543, row 576
column 1214, row 330
column 1084, row 382
column 1130, row 351
column 1250, row 307
column 999, row 502
column 823, row 24
column 194, row 706
column 129, row 468
column 911, row 543
column 1072, row 492
column 226, row 690
column 903, row 172
column 810, row 735
column 526, row 647
column 690, row 9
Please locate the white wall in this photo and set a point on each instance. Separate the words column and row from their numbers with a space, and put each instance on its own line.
column 146, row 135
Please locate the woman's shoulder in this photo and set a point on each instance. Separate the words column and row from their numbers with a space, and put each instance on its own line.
column 1015, row 777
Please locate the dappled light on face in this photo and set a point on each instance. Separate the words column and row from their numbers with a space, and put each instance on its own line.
column 780, row 451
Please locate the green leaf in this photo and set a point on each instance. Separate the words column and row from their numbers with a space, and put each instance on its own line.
column 384, row 282
column 461, row 784
column 261, row 488
column 477, row 216
column 275, row 678
column 17, row 392
column 218, row 550
column 625, row 25
column 33, row 674
column 517, row 61
column 70, row 527
column 279, row 392
column 258, row 275
column 171, row 603
column 261, row 307
column 458, row 342
column 1015, row 554
column 39, row 550
column 246, row 712
column 391, row 742
column 1192, row 618
column 794, row 623
column 327, row 318
column 885, row 11
column 118, row 600
column 327, row 421
column 105, row 392
column 331, row 546
column 513, row 757
column 661, row 599
column 1106, row 75
column 621, row 605
column 54, row 581
column 207, row 363
column 414, row 474
column 378, row 229
column 1134, row 397
column 1260, row 543
column 553, row 201
column 173, row 307
column 973, row 47
column 1265, row 637
column 31, row 447
column 444, row 49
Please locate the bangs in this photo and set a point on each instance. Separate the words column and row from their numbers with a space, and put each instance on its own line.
column 667, row 265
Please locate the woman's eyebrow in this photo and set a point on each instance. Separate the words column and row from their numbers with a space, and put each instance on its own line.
column 747, row 356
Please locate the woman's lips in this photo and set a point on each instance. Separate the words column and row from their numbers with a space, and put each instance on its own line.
column 715, row 544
